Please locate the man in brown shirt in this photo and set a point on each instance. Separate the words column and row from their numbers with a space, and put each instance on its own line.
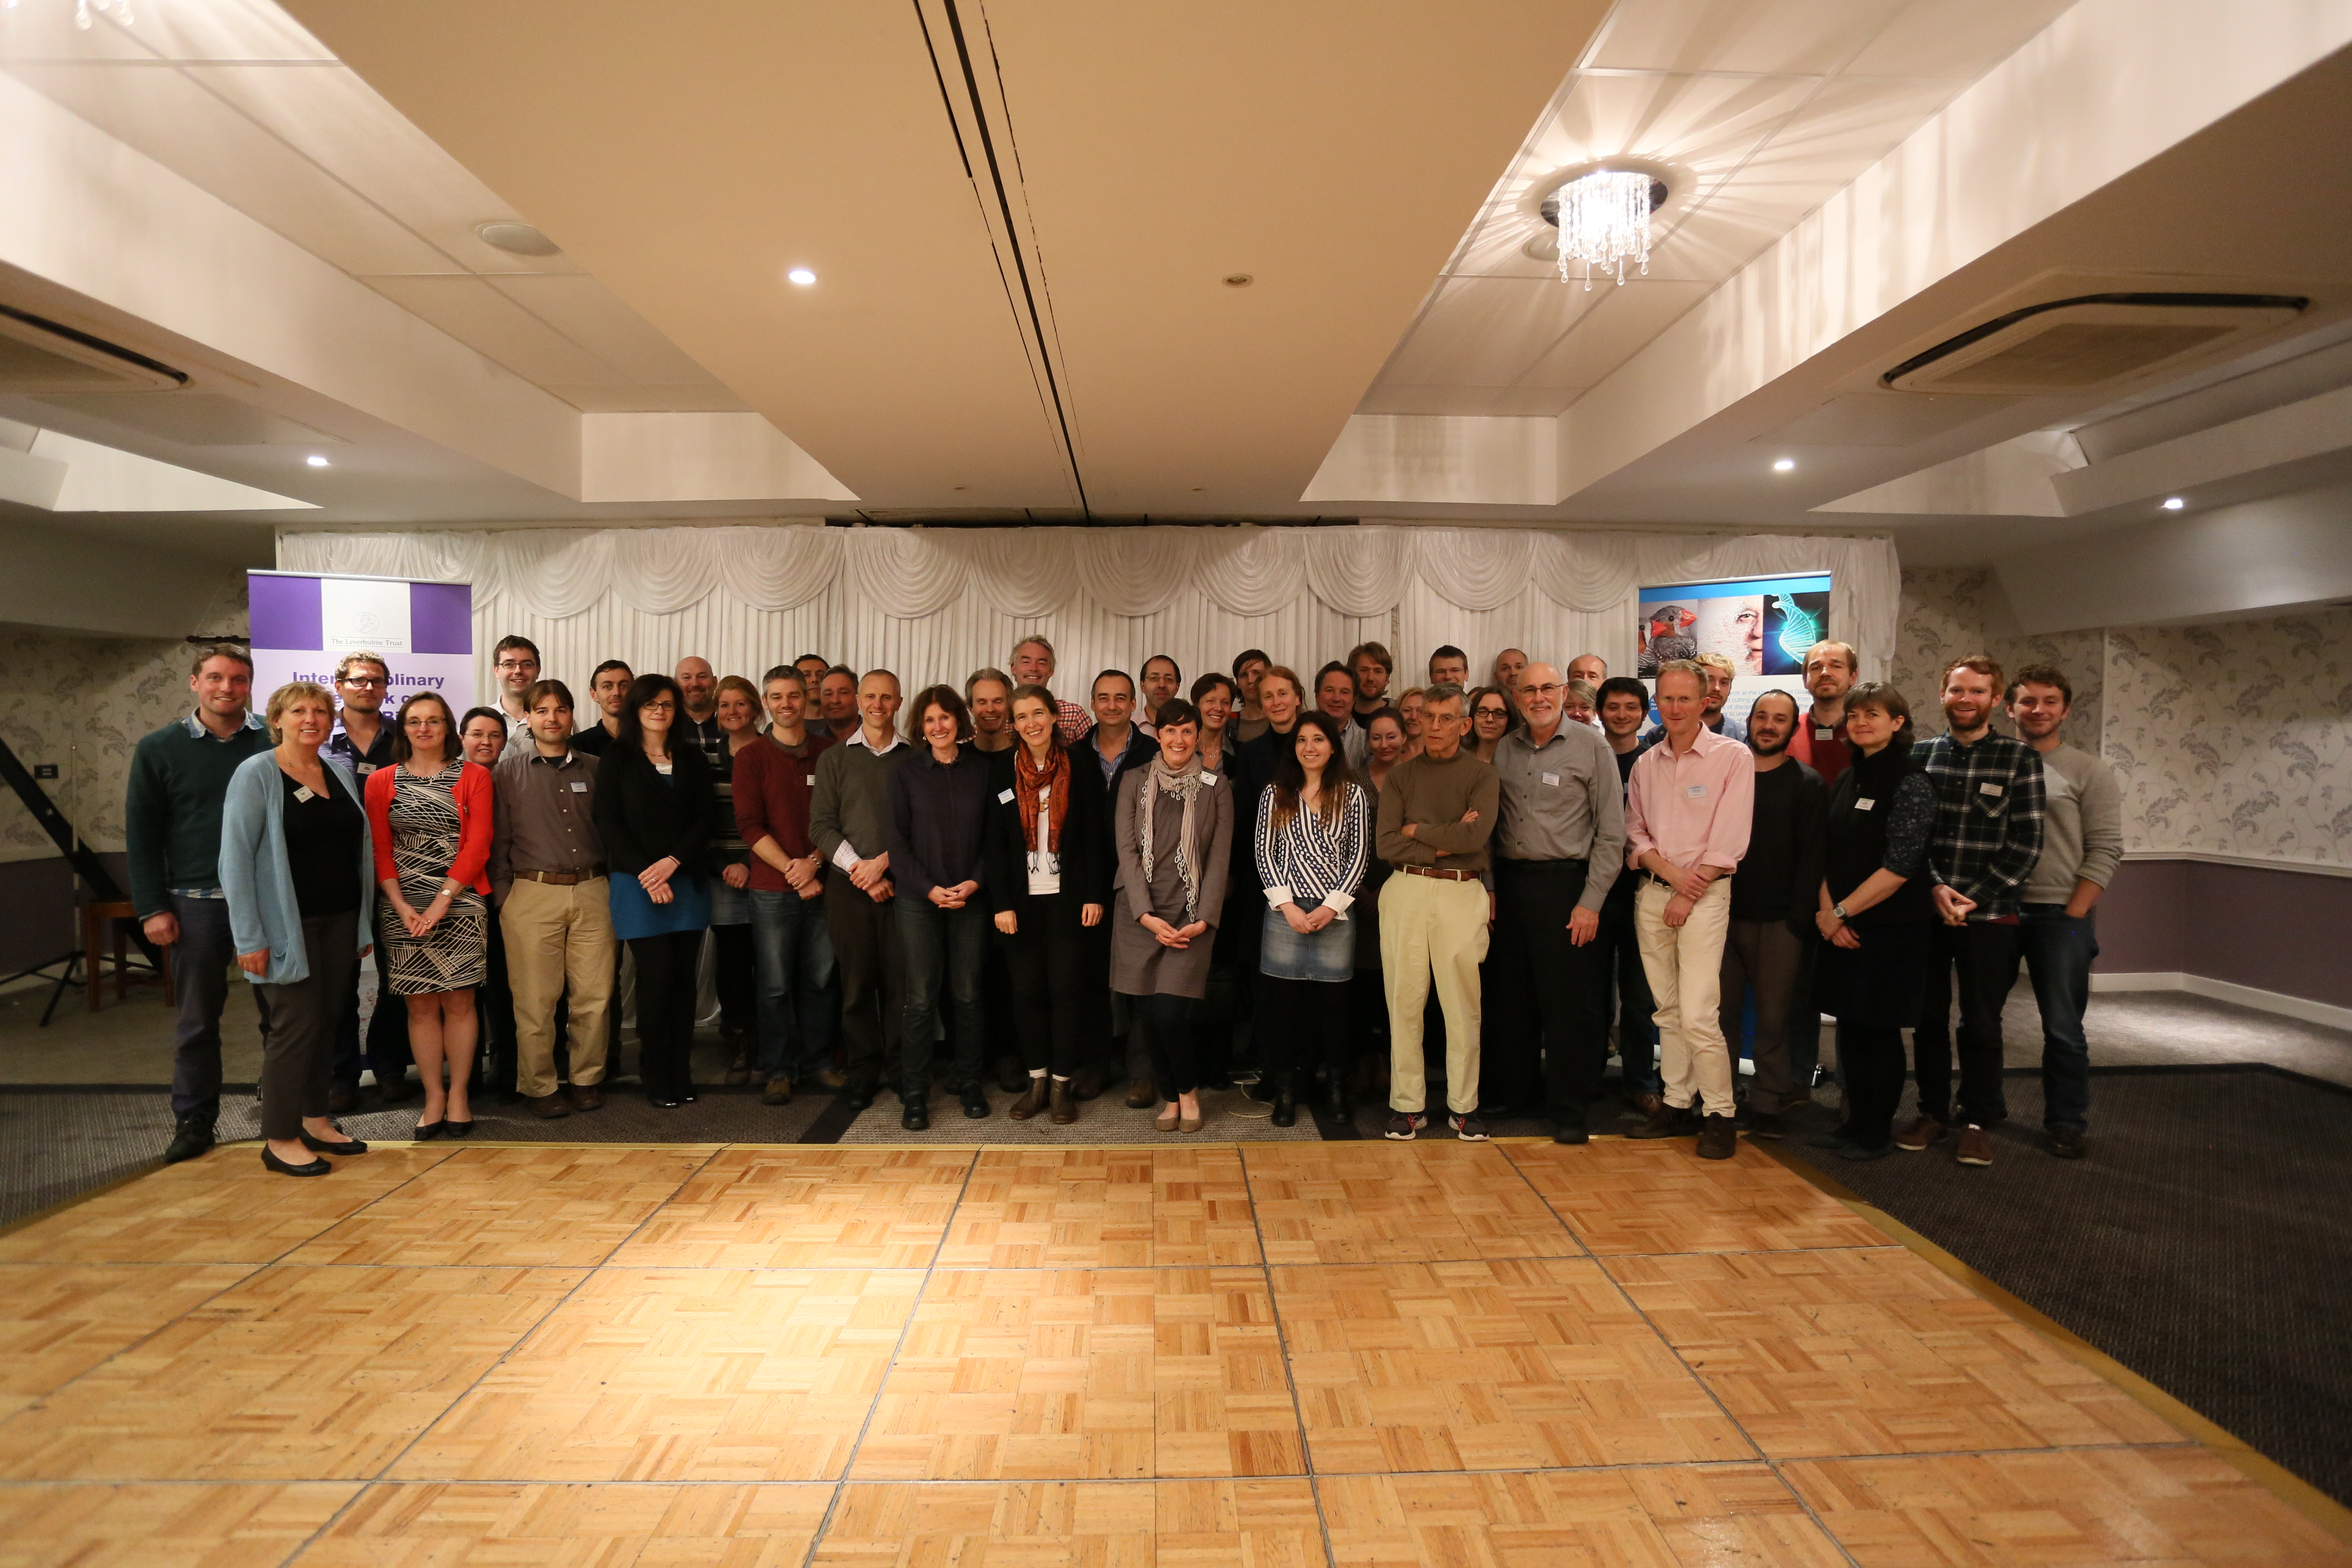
column 547, row 880
column 1437, row 811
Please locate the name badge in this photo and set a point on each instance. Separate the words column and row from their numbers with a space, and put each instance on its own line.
column 1004, row 797
column 303, row 793
column 1987, row 789
column 812, row 781
column 1696, row 791
column 578, row 788
column 1551, row 779
column 1864, row 805
column 363, row 769
column 1209, row 780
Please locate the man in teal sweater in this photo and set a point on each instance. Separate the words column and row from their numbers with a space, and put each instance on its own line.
column 179, row 779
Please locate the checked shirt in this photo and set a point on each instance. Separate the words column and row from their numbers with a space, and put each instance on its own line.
column 1989, row 806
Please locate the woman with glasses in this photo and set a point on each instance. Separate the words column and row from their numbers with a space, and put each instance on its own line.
column 430, row 814
column 657, row 811
column 737, row 708
column 1491, row 717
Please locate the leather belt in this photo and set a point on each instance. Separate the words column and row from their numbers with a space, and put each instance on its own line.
column 1441, row 873
column 560, row 878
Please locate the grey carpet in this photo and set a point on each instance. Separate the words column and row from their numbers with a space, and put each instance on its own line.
column 2202, row 1241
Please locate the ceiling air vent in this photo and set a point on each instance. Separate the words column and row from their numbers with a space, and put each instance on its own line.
column 40, row 357
column 2091, row 345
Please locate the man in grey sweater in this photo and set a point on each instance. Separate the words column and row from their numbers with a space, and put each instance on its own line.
column 2082, row 844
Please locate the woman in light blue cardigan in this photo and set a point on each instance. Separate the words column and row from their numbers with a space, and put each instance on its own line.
column 298, row 870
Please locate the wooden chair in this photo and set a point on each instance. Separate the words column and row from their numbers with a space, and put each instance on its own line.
column 96, row 918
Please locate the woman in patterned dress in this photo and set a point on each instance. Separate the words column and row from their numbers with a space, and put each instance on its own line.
column 429, row 815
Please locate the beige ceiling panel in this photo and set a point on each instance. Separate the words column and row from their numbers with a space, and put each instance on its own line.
column 1625, row 319
column 1487, row 331
column 1814, row 37
column 1481, row 402
column 1708, row 124
column 217, row 30
column 591, row 315
column 495, row 327
column 1849, row 125
column 698, row 397
column 1728, row 230
column 687, row 155
column 346, row 127
column 188, row 131
column 1957, row 39
column 39, row 32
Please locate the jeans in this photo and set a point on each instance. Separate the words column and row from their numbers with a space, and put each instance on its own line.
column 943, row 949
column 1621, row 956
column 1984, row 955
column 2057, row 951
column 1564, row 988
column 301, row 1041
column 799, row 1008
column 200, row 961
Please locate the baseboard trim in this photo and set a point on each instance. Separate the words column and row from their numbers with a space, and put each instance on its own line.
column 2298, row 1008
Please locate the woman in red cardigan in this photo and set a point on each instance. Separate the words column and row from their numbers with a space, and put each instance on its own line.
column 430, row 813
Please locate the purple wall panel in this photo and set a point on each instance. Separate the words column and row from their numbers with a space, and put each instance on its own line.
column 2271, row 927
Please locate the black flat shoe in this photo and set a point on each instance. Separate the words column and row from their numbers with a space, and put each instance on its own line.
column 350, row 1145
column 975, row 1101
column 270, row 1161
column 916, row 1118
column 459, row 1129
column 428, row 1131
column 1285, row 1109
column 663, row 1102
column 1856, row 1152
column 1563, row 1132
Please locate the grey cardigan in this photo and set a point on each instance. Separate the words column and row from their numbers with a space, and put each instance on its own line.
column 255, row 875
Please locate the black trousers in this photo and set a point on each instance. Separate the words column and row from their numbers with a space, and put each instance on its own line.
column 872, row 980
column 1304, row 1022
column 1871, row 1059
column 296, row 1051
column 1980, row 962
column 202, row 962
column 1564, row 987
column 387, row 1030
column 1175, row 1052
column 1045, row 959
column 666, row 966
column 1637, row 1035
column 738, row 982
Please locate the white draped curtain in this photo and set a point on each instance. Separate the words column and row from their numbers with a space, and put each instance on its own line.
column 936, row 604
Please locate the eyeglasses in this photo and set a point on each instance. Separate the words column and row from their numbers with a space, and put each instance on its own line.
column 363, row 682
column 662, row 707
column 1553, row 691
column 518, row 664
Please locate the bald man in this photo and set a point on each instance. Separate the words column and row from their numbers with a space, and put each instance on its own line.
column 699, row 684
column 1589, row 668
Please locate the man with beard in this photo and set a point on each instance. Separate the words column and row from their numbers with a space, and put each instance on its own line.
column 1772, row 904
column 1830, row 668
column 1986, row 841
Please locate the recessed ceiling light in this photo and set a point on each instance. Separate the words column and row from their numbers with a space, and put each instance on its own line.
column 1782, row 464
column 315, row 460
column 2173, row 503
column 802, row 276
column 516, row 239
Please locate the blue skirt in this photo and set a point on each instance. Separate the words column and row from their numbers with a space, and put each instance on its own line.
column 636, row 915
column 1328, row 955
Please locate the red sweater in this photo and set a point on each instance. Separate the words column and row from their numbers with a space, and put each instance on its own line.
column 474, row 820
column 771, row 800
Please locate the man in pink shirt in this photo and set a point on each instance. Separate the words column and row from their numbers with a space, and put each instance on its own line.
column 1688, row 807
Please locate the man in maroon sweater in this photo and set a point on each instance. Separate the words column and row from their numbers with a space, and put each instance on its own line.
column 799, row 1008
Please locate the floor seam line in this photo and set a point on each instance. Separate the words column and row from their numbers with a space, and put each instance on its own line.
column 1289, row 1375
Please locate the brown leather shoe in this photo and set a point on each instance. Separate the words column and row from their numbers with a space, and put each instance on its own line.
column 587, row 1097
column 1926, row 1130
column 1647, row 1104
column 739, row 1069
column 2065, row 1142
column 1087, row 1084
column 1141, row 1096
column 1976, row 1147
column 1033, row 1101
column 778, row 1092
column 1667, row 1121
column 1718, row 1138
column 548, row 1107
column 1065, row 1110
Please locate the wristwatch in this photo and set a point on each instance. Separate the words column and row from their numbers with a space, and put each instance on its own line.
column 1838, row 911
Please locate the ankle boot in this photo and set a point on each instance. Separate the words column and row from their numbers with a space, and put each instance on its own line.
column 1030, row 1103
column 1285, row 1102
column 1066, row 1108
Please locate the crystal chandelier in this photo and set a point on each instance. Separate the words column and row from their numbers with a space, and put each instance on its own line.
column 82, row 9
column 1604, row 222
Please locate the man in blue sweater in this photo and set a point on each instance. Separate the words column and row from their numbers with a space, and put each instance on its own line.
column 179, row 780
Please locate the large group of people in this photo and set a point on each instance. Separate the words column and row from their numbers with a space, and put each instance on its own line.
column 995, row 887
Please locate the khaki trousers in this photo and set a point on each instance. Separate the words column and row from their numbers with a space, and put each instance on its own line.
column 1431, row 926
column 557, row 936
column 1684, row 967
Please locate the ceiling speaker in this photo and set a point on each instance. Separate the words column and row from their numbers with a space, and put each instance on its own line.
column 2095, row 344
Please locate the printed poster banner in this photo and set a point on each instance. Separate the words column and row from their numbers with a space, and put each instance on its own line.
column 1762, row 625
column 304, row 623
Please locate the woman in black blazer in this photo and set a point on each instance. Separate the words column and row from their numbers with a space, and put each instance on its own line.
column 656, row 807
column 1046, row 853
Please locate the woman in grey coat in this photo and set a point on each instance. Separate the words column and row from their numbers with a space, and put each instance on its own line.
column 1173, row 824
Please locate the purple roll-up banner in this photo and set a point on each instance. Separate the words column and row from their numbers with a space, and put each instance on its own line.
column 305, row 623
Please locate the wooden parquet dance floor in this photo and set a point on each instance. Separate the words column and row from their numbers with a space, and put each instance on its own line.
column 1360, row 1355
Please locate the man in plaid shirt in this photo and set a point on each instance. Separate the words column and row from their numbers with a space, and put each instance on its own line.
column 1989, row 803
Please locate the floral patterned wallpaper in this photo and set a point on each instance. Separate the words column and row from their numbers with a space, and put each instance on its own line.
column 2231, row 739
column 1948, row 612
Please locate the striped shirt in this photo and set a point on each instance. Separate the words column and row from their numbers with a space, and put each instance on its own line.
column 1307, row 861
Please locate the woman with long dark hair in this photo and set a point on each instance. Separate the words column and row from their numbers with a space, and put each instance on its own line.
column 656, row 810
column 430, row 815
column 938, row 806
column 1314, row 832
column 1876, row 915
column 1173, row 822
column 1049, row 879
column 1491, row 717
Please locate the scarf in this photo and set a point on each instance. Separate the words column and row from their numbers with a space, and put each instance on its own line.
column 1053, row 778
column 1161, row 779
